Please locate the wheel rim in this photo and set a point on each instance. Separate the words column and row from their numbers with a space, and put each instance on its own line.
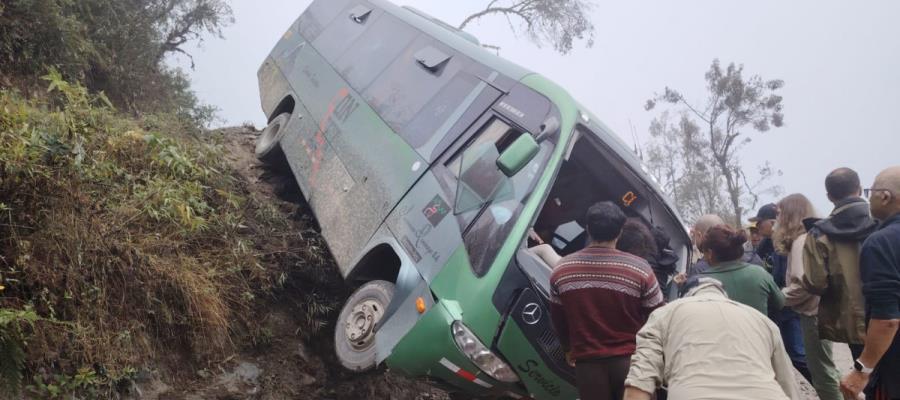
column 359, row 327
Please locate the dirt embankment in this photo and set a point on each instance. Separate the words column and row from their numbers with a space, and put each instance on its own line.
column 289, row 363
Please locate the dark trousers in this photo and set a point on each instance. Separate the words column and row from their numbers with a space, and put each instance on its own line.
column 856, row 350
column 789, row 324
column 602, row 378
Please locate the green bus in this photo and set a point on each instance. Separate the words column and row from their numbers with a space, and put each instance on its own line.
column 430, row 164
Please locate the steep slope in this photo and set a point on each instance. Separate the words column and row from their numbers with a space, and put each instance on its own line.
column 142, row 258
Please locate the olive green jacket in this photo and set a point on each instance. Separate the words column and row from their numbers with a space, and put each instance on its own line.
column 748, row 284
column 831, row 270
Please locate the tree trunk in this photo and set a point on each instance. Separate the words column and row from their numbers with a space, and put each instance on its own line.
column 734, row 191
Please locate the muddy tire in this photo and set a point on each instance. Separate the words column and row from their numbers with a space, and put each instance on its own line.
column 268, row 145
column 354, row 333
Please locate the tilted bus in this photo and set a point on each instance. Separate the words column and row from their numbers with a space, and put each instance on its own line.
column 427, row 161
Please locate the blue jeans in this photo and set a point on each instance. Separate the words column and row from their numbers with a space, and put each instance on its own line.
column 792, row 335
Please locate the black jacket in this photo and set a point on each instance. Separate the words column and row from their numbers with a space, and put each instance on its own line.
column 880, row 270
column 850, row 221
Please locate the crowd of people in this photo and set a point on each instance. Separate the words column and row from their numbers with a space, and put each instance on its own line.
column 754, row 306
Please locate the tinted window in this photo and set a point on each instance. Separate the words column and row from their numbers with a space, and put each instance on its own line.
column 439, row 110
column 343, row 31
column 406, row 86
column 318, row 15
column 372, row 52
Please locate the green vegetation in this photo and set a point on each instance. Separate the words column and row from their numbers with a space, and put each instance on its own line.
column 125, row 240
column 111, row 46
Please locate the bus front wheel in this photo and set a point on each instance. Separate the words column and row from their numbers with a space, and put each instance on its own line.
column 354, row 333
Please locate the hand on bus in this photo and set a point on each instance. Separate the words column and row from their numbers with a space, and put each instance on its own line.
column 534, row 236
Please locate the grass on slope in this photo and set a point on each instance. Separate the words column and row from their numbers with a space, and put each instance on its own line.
column 121, row 240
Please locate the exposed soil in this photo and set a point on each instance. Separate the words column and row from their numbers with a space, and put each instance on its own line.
column 290, row 362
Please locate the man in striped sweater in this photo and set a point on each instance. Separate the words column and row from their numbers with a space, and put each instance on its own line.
column 600, row 298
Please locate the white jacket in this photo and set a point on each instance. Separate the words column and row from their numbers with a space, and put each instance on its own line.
column 709, row 347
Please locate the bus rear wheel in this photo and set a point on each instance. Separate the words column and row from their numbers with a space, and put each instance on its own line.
column 354, row 333
column 268, row 145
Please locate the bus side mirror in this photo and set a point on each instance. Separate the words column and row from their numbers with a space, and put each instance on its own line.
column 518, row 154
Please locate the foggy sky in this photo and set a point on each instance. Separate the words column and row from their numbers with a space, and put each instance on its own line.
column 840, row 62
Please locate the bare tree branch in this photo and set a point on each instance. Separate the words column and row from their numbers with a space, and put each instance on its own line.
column 557, row 22
column 733, row 103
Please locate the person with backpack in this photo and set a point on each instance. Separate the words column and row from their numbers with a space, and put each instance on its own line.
column 831, row 260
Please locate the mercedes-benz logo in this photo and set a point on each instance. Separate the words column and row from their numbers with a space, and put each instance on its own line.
column 531, row 314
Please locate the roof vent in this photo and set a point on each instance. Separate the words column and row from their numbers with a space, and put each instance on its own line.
column 432, row 59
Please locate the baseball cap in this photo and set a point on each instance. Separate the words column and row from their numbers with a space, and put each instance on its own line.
column 768, row 211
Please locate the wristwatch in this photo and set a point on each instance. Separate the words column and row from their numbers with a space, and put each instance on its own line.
column 859, row 367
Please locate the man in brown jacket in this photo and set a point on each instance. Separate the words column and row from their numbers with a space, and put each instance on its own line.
column 831, row 260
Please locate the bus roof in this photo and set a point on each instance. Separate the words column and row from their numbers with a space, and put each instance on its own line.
column 453, row 38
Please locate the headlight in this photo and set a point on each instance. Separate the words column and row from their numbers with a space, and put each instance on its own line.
column 479, row 354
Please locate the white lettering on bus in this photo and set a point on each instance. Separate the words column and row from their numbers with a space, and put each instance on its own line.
column 511, row 109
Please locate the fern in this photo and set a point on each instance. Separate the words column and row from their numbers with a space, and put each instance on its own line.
column 12, row 347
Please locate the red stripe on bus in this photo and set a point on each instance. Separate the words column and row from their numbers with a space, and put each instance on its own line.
column 465, row 375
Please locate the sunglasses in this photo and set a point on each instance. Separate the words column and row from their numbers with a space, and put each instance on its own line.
column 868, row 192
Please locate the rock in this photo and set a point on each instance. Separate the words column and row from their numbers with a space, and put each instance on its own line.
column 248, row 372
column 143, row 376
column 243, row 379
column 306, row 380
column 302, row 353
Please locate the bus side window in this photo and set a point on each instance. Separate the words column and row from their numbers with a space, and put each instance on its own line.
column 343, row 31
column 318, row 15
column 368, row 56
column 403, row 89
column 492, row 216
column 480, row 181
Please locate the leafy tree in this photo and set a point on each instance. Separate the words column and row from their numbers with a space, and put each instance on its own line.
column 675, row 156
column 557, row 22
column 181, row 21
column 117, row 47
column 734, row 105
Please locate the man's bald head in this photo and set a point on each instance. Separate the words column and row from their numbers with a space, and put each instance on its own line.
column 703, row 224
column 707, row 221
column 885, row 196
column 889, row 179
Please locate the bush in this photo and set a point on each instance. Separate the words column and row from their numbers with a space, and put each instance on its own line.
column 122, row 240
column 111, row 46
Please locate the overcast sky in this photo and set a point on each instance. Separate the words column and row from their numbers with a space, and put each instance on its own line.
column 840, row 62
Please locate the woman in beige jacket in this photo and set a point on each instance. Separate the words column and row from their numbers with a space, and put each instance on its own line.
column 789, row 239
